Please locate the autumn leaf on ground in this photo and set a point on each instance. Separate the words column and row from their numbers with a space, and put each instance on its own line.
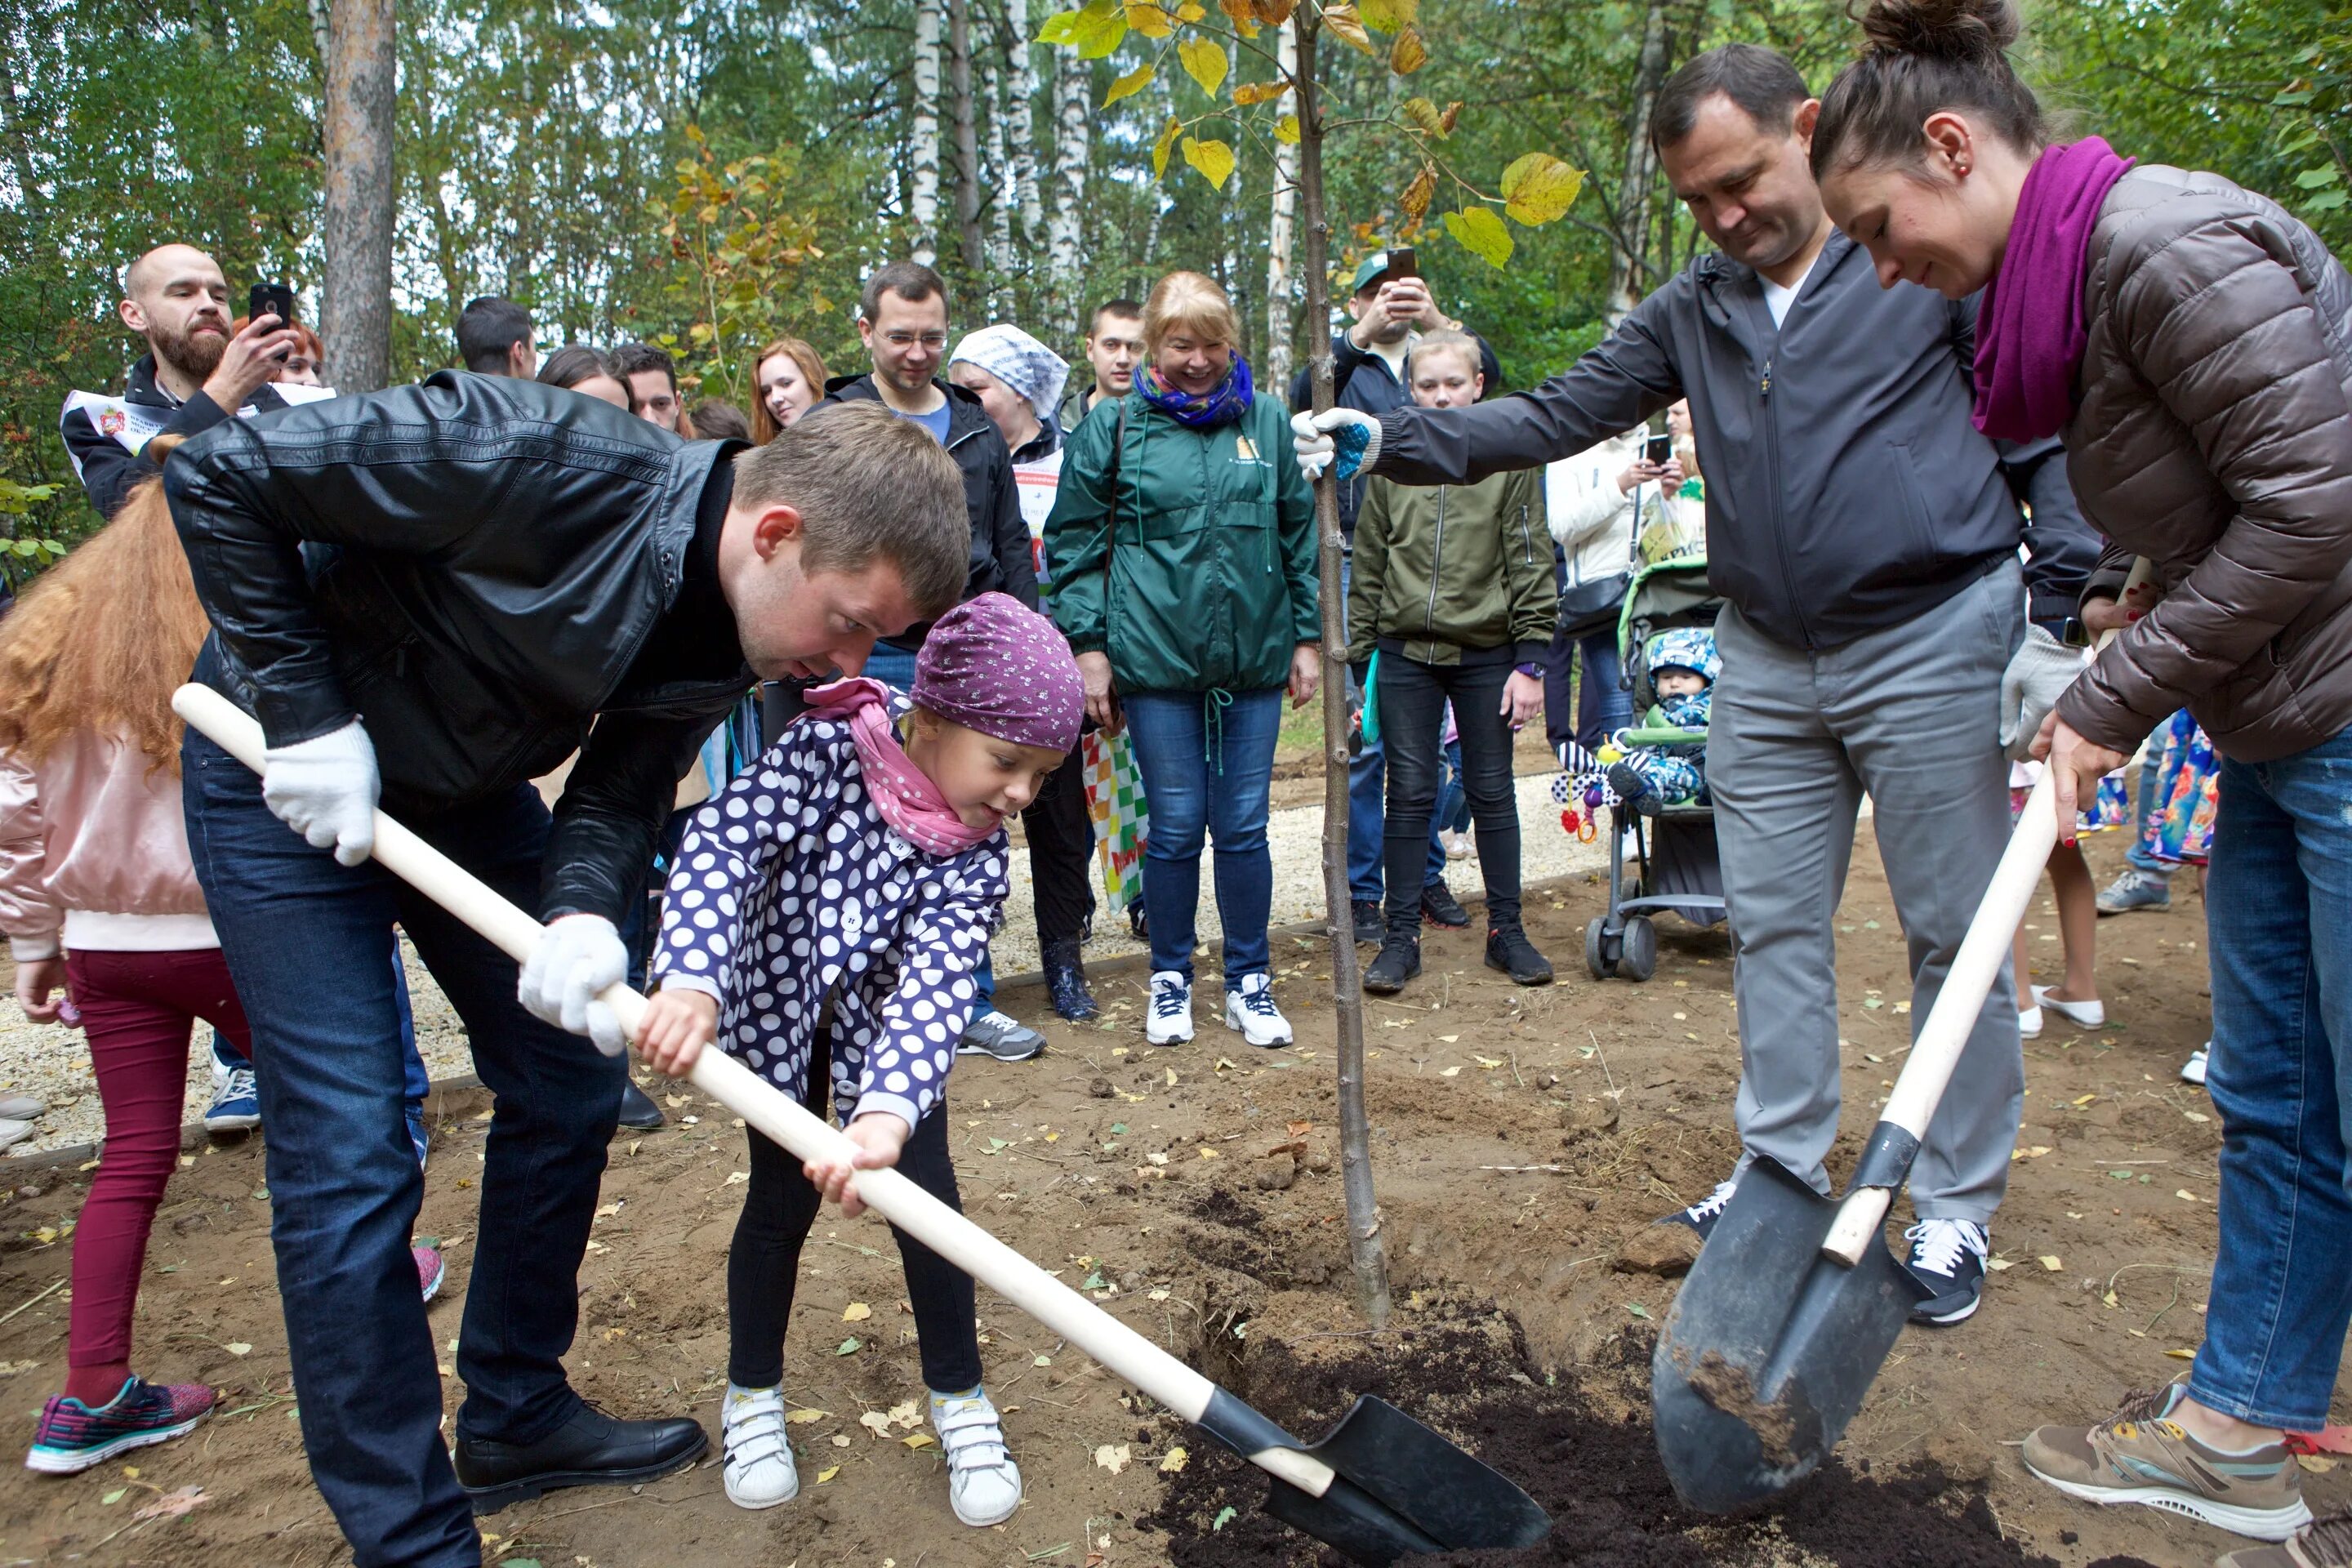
column 1174, row 1462
column 1205, row 61
column 856, row 1312
column 1300, row 1128
column 876, row 1421
column 828, row 1474
column 173, row 1504
column 1110, row 1457
column 802, row 1418
column 906, row 1416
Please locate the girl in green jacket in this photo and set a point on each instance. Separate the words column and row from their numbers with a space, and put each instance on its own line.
column 1181, row 547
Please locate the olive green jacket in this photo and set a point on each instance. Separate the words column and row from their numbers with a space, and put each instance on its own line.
column 1444, row 568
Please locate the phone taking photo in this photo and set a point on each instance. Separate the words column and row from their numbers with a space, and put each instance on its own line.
column 1659, row 450
column 1402, row 263
column 270, row 299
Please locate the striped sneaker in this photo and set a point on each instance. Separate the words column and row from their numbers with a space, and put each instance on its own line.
column 2139, row 1455
column 430, row 1269
column 72, row 1436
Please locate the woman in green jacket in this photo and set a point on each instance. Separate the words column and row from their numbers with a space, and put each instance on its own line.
column 1181, row 546
column 1452, row 586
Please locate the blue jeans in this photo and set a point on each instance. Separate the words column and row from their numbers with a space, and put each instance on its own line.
column 2278, row 912
column 1201, row 783
column 2144, row 808
column 305, row 939
column 1451, row 811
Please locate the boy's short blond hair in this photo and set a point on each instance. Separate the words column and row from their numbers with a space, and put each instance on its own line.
column 1193, row 303
column 1448, row 341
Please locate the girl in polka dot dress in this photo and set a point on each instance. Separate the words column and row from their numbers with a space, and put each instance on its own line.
column 822, row 923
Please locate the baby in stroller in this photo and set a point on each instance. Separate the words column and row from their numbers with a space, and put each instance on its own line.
column 1655, row 774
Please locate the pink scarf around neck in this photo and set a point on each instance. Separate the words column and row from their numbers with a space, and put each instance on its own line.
column 2032, row 330
column 904, row 794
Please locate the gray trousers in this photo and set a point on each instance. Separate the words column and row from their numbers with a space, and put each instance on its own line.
column 1911, row 716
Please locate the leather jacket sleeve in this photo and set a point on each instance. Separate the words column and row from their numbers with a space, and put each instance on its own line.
column 609, row 820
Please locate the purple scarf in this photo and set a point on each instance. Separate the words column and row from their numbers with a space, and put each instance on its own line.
column 2031, row 332
column 1223, row 403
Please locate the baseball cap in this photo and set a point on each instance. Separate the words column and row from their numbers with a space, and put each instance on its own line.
column 1373, row 269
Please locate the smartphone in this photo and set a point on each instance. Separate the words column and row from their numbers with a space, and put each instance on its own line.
column 1659, row 450
column 1402, row 263
column 270, row 299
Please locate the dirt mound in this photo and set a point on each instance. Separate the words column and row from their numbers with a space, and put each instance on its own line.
column 1582, row 1450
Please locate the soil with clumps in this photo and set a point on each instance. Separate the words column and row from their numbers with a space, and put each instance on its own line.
column 1523, row 1143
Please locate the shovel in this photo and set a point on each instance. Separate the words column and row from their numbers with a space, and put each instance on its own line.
column 1795, row 1301
column 1379, row 1486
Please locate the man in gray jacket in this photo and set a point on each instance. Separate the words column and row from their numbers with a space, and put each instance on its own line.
column 1863, row 534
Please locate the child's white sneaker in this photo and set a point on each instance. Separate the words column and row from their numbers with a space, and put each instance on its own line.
column 1250, row 1009
column 983, row 1483
column 760, row 1471
column 1168, row 1020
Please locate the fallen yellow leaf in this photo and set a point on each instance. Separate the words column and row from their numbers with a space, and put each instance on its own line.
column 1173, row 1462
column 856, row 1312
column 1449, row 1072
column 2049, row 1261
column 828, row 1474
column 1110, row 1457
column 1209, row 1153
column 802, row 1418
column 919, row 1440
column 2181, row 1354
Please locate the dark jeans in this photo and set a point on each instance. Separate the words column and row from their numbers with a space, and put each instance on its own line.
column 1602, row 707
column 305, row 939
column 1412, row 725
column 1204, row 782
column 765, row 1263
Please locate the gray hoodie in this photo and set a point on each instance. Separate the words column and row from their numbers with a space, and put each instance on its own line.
column 1846, row 490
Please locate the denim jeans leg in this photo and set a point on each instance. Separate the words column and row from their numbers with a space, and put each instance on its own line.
column 1603, row 706
column 1170, row 740
column 1451, row 808
column 1412, row 714
column 306, row 940
column 1241, row 782
column 2279, row 914
column 2143, row 807
column 557, row 1098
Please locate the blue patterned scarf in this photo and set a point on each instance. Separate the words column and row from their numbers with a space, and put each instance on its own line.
column 1223, row 403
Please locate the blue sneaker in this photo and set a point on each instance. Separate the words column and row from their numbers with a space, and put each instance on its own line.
column 2134, row 890
column 235, row 1106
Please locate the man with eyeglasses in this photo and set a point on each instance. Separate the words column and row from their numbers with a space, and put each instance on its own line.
column 902, row 317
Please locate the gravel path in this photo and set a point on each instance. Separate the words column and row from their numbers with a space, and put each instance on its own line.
column 52, row 1064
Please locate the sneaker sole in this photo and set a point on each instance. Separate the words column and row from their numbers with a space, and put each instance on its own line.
column 1036, row 1050
column 1164, row 1037
column 490, row 1500
column 2134, row 909
column 1269, row 1043
column 239, row 1124
column 757, row 1505
column 58, row 1462
column 1945, row 1320
column 2259, row 1523
column 1545, row 978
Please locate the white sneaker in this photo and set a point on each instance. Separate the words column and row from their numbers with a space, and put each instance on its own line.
column 760, row 1471
column 12, row 1131
column 1169, row 1020
column 2087, row 1015
column 2029, row 1023
column 983, row 1483
column 2193, row 1069
column 1251, row 1010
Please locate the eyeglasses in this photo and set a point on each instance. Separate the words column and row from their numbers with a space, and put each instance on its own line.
column 931, row 341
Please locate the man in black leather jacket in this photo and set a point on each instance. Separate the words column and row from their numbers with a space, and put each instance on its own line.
column 464, row 574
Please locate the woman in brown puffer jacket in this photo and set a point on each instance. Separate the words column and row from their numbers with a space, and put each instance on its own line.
column 2193, row 341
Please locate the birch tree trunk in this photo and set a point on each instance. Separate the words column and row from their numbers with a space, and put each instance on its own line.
column 1020, row 127
column 1072, row 115
column 967, row 142
column 1366, row 1251
column 1001, row 262
column 355, row 305
column 1628, row 270
column 923, row 200
column 1279, row 238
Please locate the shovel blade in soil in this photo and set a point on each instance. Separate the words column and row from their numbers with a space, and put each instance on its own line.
column 1770, row 1346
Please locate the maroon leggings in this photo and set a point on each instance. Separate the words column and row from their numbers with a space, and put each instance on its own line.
column 138, row 1010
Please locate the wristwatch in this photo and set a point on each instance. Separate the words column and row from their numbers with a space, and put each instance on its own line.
column 1532, row 671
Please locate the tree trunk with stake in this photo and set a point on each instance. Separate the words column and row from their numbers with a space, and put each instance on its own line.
column 1365, row 1248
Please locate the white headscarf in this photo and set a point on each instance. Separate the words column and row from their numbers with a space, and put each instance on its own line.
column 1035, row 373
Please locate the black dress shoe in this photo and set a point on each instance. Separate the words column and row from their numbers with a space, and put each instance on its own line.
column 1066, row 982
column 1440, row 907
column 637, row 1109
column 590, row 1449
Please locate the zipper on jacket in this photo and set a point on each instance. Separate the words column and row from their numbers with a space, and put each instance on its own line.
column 1780, row 519
column 1436, row 563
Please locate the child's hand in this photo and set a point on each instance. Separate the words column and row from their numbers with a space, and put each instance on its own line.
column 879, row 1136
column 677, row 1025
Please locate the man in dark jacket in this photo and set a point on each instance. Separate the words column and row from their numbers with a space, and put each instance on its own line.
column 194, row 375
column 1861, row 531
column 432, row 591
column 1367, row 373
column 903, row 317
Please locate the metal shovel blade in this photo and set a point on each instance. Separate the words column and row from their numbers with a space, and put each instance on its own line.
column 1402, row 1488
column 1770, row 1346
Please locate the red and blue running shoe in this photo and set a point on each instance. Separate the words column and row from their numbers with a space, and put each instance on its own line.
column 72, row 1436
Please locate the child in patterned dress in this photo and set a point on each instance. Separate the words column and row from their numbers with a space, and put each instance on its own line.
column 822, row 923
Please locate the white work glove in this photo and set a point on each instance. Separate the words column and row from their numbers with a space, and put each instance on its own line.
column 579, row 956
column 325, row 789
column 2038, row 673
column 1347, row 441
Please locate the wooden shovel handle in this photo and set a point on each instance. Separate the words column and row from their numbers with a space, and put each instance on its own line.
column 1936, row 1052
column 788, row 1124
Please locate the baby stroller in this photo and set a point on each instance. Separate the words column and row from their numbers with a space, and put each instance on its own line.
column 1679, row 871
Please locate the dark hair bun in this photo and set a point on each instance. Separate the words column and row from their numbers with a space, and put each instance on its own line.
column 1973, row 32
